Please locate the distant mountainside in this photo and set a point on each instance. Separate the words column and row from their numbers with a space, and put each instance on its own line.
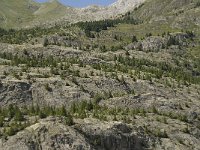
column 177, row 13
column 26, row 13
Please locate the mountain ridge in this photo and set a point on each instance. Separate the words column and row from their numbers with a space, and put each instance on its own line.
column 31, row 13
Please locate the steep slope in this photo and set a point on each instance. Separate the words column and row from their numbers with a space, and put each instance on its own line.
column 172, row 13
column 27, row 12
column 15, row 13
column 51, row 12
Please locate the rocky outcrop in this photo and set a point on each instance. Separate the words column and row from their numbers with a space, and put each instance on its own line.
column 92, row 134
column 149, row 44
column 157, row 43
column 15, row 92
column 46, row 135
column 112, row 136
column 86, row 134
column 117, row 8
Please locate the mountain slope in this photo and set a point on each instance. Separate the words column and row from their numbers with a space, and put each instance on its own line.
column 32, row 13
column 16, row 12
column 128, row 83
column 26, row 12
column 177, row 14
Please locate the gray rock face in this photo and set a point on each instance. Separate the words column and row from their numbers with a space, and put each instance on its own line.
column 47, row 136
column 60, row 94
column 15, row 92
column 157, row 43
column 116, row 137
column 149, row 44
column 117, row 8
column 85, row 135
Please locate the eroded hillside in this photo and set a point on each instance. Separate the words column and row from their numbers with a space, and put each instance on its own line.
column 128, row 83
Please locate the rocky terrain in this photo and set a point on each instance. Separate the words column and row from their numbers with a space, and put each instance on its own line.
column 86, row 134
column 131, row 82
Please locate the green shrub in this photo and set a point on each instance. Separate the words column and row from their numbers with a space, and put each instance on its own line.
column 18, row 116
column 47, row 87
column 1, row 121
column 42, row 115
column 10, row 131
column 69, row 120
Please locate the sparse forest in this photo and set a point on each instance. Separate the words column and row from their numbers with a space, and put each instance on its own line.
column 129, row 81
